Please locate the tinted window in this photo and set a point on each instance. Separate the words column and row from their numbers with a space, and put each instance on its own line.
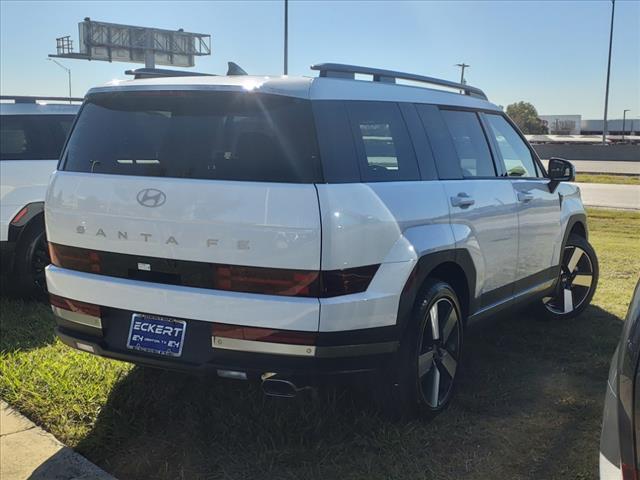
column 33, row 137
column 421, row 146
column 382, row 142
column 337, row 152
column 444, row 153
column 206, row 135
column 515, row 154
column 470, row 143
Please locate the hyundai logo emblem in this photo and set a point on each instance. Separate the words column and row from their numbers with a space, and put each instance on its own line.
column 151, row 197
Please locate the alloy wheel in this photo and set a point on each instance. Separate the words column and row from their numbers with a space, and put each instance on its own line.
column 439, row 352
column 39, row 261
column 575, row 283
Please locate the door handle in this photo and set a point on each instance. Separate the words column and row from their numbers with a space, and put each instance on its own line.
column 462, row 200
column 525, row 197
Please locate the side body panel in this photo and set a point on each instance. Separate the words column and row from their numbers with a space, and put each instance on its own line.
column 390, row 223
column 540, row 235
column 488, row 230
column 21, row 182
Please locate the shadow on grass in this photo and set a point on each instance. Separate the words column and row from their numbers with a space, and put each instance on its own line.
column 528, row 405
column 24, row 324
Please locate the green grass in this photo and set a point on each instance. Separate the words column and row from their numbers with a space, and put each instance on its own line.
column 606, row 178
column 528, row 406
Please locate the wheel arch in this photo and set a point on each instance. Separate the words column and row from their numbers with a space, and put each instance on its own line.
column 454, row 267
column 576, row 224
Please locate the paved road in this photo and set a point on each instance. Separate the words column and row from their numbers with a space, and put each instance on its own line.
column 612, row 196
column 606, row 166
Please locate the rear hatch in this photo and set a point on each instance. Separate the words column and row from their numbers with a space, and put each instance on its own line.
column 170, row 184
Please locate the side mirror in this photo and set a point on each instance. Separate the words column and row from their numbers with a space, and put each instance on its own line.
column 560, row 170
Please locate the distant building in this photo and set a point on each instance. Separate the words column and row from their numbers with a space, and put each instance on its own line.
column 595, row 127
column 574, row 125
column 562, row 124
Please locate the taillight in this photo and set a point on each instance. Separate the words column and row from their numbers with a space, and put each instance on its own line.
column 74, row 305
column 350, row 280
column 269, row 281
column 259, row 334
column 629, row 472
column 74, row 258
column 234, row 278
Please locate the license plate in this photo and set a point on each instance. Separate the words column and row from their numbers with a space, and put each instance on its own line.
column 160, row 335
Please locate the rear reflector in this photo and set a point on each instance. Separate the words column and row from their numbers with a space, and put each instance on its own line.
column 85, row 347
column 259, row 334
column 232, row 374
column 19, row 216
column 74, row 305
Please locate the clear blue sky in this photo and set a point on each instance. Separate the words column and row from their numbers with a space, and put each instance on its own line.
column 552, row 54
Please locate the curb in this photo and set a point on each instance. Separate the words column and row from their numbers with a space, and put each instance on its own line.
column 27, row 451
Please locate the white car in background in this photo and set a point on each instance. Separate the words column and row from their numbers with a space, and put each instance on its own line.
column 32, row 134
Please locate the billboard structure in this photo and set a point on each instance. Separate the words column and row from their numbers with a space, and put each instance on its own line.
column 112, row 42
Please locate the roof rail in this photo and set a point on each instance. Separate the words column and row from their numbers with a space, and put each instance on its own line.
column 340, row 70
column 34, row 99
column 163, row 72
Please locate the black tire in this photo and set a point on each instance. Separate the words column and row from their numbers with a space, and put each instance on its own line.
column 423, row 379
column 577, row 281
column 32, row 256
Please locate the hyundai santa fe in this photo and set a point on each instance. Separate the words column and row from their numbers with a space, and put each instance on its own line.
column 292, row 229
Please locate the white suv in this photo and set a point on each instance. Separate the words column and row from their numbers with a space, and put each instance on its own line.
column 291, row 229
column 32, row 134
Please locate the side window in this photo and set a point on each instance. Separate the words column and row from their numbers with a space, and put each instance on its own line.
column 515, row 154
column 384, row 149
column 33, row 137
column 470, row 143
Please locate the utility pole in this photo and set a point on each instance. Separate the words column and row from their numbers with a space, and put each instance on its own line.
column 606, row 94
column 286, row 37
column 624, row 118
column 68, row 74
column 462, row 67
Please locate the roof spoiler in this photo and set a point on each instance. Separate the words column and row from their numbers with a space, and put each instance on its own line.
column 339, row 70
column 138, row 73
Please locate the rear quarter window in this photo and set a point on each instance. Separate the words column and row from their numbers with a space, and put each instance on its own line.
column 201, row 135
column 383, row 145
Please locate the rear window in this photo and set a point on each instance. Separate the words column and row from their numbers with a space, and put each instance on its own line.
column 205, row 135
column 33, row 137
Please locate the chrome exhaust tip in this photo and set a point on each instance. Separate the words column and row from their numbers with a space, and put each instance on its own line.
column 277, row 387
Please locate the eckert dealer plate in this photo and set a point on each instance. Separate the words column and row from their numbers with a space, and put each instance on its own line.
column 160, row 335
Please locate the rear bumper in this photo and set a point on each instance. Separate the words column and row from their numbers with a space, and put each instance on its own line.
column 199, row 356
column 176, row 301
